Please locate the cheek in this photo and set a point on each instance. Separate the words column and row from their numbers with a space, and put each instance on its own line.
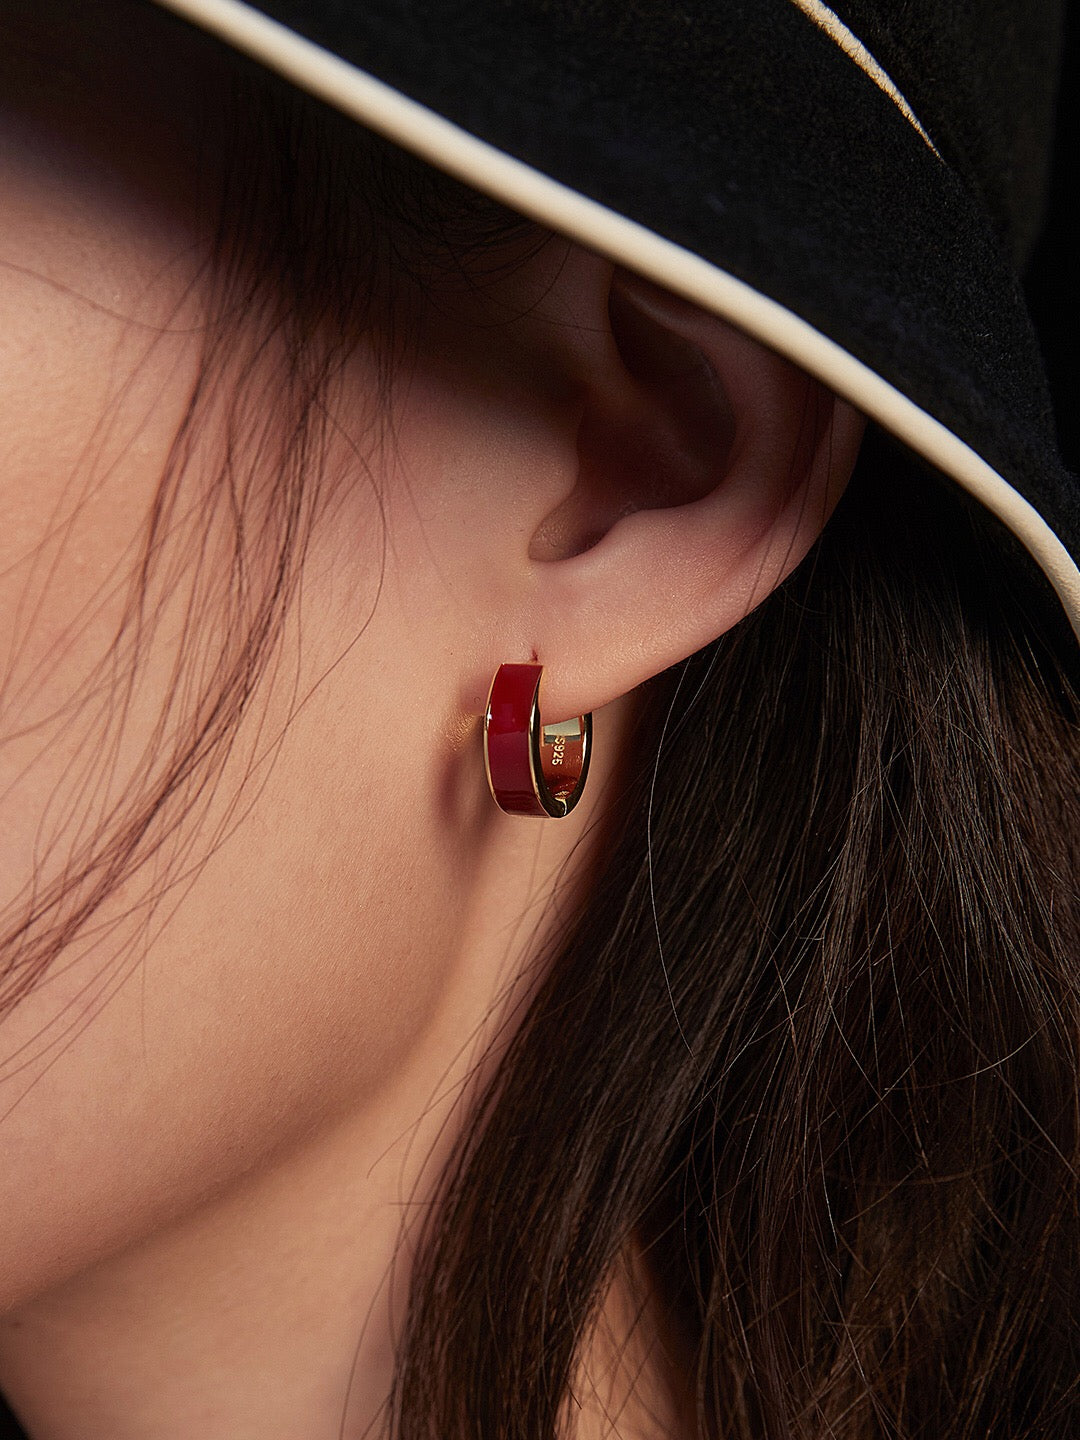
column 274, row 961
column 99, row 348
column 303, row 924
column 284, row 983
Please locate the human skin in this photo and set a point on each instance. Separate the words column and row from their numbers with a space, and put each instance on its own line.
column 217, row 1113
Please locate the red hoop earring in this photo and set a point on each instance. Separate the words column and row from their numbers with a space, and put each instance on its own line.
column 532, row 768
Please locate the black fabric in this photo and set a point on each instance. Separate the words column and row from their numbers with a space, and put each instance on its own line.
column 981, row 77
column 1052, row 278
column 742, row 132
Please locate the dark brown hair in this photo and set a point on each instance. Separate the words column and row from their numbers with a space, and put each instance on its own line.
column 812, row 1046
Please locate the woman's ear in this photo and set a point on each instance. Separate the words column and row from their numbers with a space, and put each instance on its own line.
column 617, row 476
column 707, row 467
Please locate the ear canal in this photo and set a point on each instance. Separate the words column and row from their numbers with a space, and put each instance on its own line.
column 656, row 430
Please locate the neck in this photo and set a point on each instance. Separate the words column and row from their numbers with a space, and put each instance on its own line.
column 271, row 1310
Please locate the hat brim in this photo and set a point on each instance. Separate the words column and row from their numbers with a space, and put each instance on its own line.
column 776, row 177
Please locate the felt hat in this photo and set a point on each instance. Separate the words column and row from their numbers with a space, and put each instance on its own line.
column 856, row 187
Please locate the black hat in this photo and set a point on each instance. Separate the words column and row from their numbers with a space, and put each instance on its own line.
column 854, row 187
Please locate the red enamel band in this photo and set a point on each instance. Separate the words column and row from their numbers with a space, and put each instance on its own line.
column 532, row 768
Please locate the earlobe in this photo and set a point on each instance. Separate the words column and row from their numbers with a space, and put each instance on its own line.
column 707, row 467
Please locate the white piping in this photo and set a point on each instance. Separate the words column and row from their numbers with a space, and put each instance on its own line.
column 513, row 183
column 828, row 21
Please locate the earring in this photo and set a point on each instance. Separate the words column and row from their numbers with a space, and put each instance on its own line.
column 532, row 768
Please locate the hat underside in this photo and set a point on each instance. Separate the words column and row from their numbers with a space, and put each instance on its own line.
column 973, row 409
